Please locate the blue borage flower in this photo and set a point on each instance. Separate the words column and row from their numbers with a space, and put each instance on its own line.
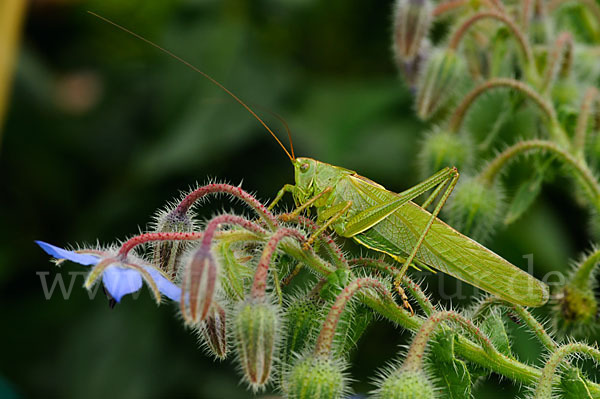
column 119, row 276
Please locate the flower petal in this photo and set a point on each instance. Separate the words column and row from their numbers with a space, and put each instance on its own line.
column 59, row 253
column 120, row 281
column 165, row 286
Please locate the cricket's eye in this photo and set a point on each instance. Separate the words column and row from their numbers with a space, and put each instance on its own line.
column 304, row 167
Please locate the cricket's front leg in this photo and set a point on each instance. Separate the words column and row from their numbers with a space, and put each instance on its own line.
column 287, row 217
column 330, row 215
column 288, row 188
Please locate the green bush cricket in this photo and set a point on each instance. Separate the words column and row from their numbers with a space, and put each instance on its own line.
column 387, row 222
column 358, row 208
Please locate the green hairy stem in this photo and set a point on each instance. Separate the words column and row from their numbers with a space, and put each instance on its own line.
column 583, row 175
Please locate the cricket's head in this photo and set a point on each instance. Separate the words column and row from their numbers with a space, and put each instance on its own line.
column 314, row 176
column 304, row 174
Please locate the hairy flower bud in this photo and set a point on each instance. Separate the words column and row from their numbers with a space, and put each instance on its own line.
column 577, row 308
column 256, row 328
column 302, row 319
column 438, row 82
column 412, row 19
column 475, row 208
column 316, row 377
column 411, row 69
column 199, row 285
column 443, row 148
column 166, row 254
column 214, row 332
column 540, row 30
column 405, row 384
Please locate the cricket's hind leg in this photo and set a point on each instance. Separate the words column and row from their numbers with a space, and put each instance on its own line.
column 449, row 183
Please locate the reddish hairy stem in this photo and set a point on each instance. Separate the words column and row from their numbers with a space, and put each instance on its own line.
column 591, row 95
column 452, row 5
column 152, row 237
column 560, row 58
column 416, row 352
column 497, row 4
column 531, row 9
column 526, row 11
column 459, row 33
column 325, row 340
column 220, row 188
column 448, row 6
column 582, row 174
column 214, row 224
column 259, row 285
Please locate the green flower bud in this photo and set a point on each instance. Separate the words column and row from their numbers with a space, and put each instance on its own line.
column 577, row 308
column 412, row 19
column 256, row 328
column 540, row 29
column 475, row 208
column 316, row 378
column 166, row 254
column 404, row 384
column 213, row 330
column 439, row 82
column 302, row 319
column 443, row 148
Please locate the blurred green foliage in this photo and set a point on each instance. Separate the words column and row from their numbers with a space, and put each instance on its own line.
column 103, row 129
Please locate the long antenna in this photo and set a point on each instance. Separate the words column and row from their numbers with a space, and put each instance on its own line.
column 283, row 121
column 287, row 128
column 195, row 69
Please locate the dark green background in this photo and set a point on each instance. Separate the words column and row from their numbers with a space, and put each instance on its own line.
column 78, row 167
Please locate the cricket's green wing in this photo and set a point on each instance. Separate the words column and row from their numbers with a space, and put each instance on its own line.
column 444, row 248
